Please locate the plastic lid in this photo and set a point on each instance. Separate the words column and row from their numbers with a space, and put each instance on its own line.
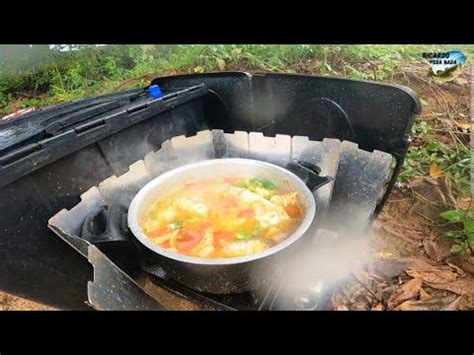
column 155, row 91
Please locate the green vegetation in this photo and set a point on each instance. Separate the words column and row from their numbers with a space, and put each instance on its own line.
column 463, row 231
column 60, row 76
column 454, row 161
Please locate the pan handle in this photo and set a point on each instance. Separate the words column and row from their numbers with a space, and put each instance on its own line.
column 309, row 173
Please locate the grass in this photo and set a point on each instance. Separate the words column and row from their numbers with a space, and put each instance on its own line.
column 96, row 70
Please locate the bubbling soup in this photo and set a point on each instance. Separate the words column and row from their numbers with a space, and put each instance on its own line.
column 223, row 217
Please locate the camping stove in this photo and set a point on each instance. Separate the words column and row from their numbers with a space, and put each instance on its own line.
column 359, row 180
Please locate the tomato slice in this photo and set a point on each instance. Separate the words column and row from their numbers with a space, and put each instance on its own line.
column 223, row 237
column 233, row 181
column 189, row 239
column 248, row 213
column 293, row 211
column 158, row 232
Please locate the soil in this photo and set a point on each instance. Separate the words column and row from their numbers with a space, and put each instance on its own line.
column 11, row 303
column 415, row 268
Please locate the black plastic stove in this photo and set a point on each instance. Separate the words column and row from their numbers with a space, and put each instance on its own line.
column 57, row 159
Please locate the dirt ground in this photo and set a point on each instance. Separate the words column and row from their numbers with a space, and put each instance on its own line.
column 413, row 267
column 11, row 303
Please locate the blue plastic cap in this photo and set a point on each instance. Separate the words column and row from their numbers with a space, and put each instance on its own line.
column 155, row 91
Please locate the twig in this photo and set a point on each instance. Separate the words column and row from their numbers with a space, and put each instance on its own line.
column 402, row 226
column 428, row 219
column 434, row 224
column 425, row 199
column 443, row 198
column 441, row 94
column 399, row 200
column 413, row 206
column 430, row 181
column 460, row 142
column 366, row 287
column 449, row 131
column 448, row 191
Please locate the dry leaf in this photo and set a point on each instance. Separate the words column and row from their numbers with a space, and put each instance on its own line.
column 408, row 290
column 360, row 275
column 461, row 287
column 390, row 268
column 464, row 202
column 385, row 293
column 466, row 302
column 466, row 263
column 431, row 273
column 461, row 81
column 440, row 276
column 465, row 126
column 436, row 251
column 457, row 268
column 433, row 304
column 360, row 306
column 435, row 171
column 424, row 295
column 357, row 292
column 377, row 307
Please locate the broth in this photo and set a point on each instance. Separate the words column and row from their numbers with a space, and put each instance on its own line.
column 223, row 218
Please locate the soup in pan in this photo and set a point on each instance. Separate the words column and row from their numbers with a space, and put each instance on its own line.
column 223, row 218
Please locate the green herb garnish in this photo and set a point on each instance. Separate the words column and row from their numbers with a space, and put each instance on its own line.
column 176, row 224
column 243, row 236
column 254, row 183
column 266, row 184
column 247, row 236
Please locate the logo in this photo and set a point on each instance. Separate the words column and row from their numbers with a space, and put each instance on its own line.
column 445, row 66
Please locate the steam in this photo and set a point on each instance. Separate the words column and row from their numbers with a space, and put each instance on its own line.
column 323, row 260
column 117, row 181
